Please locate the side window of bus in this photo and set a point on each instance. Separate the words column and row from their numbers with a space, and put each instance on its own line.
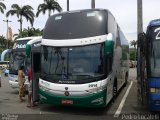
column 112, row 28
column 118, row 43
column 109, row 60
column 112, row 25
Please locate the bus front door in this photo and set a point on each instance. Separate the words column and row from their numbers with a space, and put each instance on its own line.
column 35, row 73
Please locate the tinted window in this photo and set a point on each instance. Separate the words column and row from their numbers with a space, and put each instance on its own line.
column 16, row 60
column 77, row 64
column 76, row 25
column 154, row 52
column 112, row 26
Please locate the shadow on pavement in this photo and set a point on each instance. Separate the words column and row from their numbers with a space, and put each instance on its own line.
column 73, row 110
column 16, row 92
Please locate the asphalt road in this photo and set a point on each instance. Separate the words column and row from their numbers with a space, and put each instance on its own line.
column 124, row 107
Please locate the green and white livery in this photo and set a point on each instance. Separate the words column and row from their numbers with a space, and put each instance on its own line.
column 84, row 59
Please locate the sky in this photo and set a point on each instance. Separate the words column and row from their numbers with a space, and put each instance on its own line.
column 124, row 11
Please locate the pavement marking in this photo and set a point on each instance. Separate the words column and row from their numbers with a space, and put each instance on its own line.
column 118, row 112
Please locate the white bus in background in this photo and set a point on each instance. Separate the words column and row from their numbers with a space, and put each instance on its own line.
column 84, row 59
column 18, row 58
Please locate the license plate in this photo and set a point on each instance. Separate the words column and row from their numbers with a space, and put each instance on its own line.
column 67, row 101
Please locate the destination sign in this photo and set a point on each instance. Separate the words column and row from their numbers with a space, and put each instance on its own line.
column 21, row 44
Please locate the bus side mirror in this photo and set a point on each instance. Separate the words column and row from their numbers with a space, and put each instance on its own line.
column 28, row 50
column 109, row 44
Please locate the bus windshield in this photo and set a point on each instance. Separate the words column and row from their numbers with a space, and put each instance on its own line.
column 154, row 51
column 60, row 64
column 16, row 60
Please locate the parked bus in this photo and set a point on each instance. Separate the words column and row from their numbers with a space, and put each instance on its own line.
column 84, row 59
column 18, row 58
column 148, row 69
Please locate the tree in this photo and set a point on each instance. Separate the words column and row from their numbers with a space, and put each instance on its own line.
column 48, row 5
column 2, row 7
column 25, row 11
column 132, row 55
column 32, row 32
column 134, row 43
column 4, row 41
column 28, row 32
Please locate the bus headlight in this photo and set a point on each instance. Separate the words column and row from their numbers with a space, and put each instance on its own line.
column 96, row 90
column 43, row 88
column 155, row 90
column 152, row 90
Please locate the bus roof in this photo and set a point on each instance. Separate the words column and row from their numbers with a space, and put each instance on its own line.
column 154, row 22
column 26, row 38
column 83, row 10
column 34, row 40
column 20, row 44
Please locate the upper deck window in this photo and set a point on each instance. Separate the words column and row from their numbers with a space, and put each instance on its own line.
column 76, row 25
column 154, row 53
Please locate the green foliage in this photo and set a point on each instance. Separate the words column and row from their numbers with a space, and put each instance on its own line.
column 2, row 7
column 6, row 58
column 48, row 5
column 133, row 43
column 25, row 11
column 32, row 32
column 4, row 42
column 132, row 55
column 28, row 32
column 10, row 44
column 1, row 50
column 125, row 54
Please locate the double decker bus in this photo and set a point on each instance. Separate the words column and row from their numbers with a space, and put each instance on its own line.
column 18, row 58
column 148, row 69
column 84, row 59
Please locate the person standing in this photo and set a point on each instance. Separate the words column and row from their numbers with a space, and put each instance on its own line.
column 21, row 81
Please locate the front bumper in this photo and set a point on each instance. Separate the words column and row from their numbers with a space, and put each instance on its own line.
column 154, row 101
column 92, row 100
